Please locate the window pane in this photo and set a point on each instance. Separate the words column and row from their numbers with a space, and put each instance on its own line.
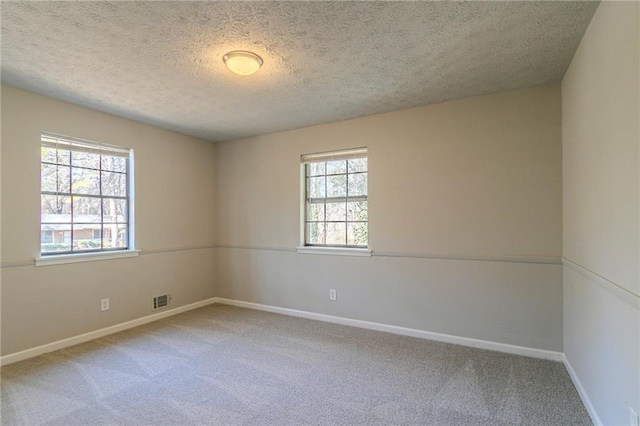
column 48, row 155
column 55, row 208
column 85, row 159
column 357, row 210
column 315, row 211
column 54, row 178
column 357, row 165
column 122, row 237
column 315, row 187
column 114, row 210
column 64, row 156
column 336, row 211
column 315, row 169
column 114, row 164
column 357, row 234
column 85, row 181
column 357, row 184
column 315, row 233
column 46, row 236
column 83, row 237
column 336, row 233
column 86, row 209
column 337, row 186
column 52, row 155
column 335, row 167
column 115, row 236
column 52, row 238
column 114, row 184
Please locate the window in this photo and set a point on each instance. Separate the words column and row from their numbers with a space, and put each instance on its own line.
column 85, row 196
column 336, row 213
column 46, row 236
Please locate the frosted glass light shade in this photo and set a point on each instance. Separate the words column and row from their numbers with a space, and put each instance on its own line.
column 242, row 62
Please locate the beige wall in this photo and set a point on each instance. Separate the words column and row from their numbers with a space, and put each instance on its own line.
column 601, row 139
column 174, row 184
column 477, row 178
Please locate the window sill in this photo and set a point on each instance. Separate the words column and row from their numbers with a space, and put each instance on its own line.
column 61, row 259
column 334, row 251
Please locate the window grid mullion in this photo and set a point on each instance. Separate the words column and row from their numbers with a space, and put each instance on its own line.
column 67, row 194
column 71, row 193
column 346, row 203
column 49, row 163
column 306, row 204
column 128, row 191
column 336, row 199
column 101, row 208
column 324, row 236
column 309, row 221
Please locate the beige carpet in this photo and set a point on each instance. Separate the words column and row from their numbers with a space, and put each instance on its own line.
column 222, row 365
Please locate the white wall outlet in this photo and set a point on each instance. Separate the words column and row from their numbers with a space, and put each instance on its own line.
column 333, row 294
column 634, row 420
column 104, row 305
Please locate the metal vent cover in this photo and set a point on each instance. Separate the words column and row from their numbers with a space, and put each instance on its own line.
column 161, row 301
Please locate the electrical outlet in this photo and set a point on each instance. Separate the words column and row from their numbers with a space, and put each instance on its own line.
column 104, row 305
column 333, row 294
column 634, row 420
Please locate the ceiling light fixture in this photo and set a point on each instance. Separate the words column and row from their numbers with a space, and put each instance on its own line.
column 242, row 62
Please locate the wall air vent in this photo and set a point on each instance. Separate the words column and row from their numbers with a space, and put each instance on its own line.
column 162, row 301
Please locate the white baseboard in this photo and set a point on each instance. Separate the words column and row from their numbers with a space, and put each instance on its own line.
column 465, row 341
column 64, row 343
column 583, row 393
column 447, row 338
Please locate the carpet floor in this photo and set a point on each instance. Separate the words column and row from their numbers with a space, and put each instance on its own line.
column 222, row 365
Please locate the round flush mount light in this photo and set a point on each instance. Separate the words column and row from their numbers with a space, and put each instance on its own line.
column 242, row 62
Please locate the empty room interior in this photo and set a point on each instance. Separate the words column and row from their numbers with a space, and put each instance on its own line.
column 186, row 234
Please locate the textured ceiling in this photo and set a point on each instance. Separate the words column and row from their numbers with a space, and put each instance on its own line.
column 161, row 62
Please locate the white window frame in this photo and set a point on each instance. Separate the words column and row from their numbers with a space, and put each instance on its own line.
column 71, row 256
column 345, row 249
